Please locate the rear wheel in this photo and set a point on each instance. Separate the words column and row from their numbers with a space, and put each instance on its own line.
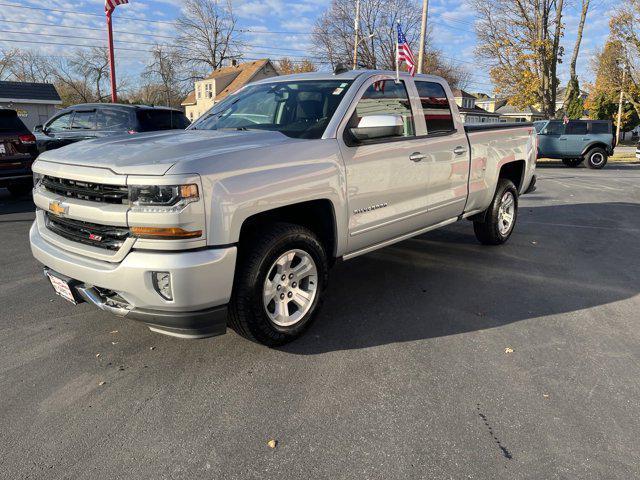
column 500, row 217
column 279, row 284
column 596, row 158
column 572, row 162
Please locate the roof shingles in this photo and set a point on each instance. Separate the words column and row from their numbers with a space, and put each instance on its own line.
column 26, row 91
column 244, row 72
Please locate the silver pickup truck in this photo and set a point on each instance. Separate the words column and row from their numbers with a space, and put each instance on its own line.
column 237, row 220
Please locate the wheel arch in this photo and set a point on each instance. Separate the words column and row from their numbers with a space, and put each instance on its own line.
column 593, row 145
column 318, row 215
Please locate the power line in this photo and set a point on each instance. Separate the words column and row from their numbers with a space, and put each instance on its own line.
column 74, row 27
column 43, row 9
column 137, row 43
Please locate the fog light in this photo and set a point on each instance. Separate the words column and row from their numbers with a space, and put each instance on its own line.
column 162, row 284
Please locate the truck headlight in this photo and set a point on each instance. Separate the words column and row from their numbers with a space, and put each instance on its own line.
column 37, row 178
column 162, row 198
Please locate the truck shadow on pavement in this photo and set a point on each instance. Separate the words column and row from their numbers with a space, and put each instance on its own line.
column 561, row 259
column 9, row 204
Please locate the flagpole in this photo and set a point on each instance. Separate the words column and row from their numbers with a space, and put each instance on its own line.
column 112, row 65
column 356, row 28
column 398, row 55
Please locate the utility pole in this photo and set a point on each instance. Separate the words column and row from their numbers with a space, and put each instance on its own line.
column 624, row 77
column 357, row 41
column 423, row 33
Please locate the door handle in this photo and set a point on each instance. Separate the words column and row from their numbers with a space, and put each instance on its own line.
column 417, row 156
column 459, row 150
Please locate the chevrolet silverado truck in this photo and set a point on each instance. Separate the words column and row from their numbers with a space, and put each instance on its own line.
column 236, row 220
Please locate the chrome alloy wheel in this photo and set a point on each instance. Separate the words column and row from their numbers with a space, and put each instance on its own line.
column 506, row 213
column 597, row 159
column 290, row 288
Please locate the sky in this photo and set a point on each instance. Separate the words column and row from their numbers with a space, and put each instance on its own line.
column 142, row 23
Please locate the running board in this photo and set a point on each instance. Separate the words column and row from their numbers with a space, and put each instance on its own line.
column 406, row 236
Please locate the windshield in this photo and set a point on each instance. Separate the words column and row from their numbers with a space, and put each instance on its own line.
column 297, row 109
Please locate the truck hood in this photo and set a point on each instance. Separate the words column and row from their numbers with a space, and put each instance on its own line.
column 156, row 152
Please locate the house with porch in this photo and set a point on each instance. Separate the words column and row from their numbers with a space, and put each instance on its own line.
column 470, row 112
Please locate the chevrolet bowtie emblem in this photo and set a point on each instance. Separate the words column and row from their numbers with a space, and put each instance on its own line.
column 58, row 208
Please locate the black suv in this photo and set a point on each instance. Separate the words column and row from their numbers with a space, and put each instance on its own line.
column 17, row 153
column 95, row 120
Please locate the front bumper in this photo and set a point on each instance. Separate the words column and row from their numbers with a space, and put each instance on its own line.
column 201, row 282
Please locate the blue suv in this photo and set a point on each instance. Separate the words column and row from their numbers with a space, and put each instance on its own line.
column 591, row 141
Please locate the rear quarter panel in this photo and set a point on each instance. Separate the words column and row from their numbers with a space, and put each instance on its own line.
column 490, row 150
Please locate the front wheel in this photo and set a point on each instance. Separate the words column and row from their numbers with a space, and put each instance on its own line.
column 280, row 279
column 500, row 218
column 596, row 158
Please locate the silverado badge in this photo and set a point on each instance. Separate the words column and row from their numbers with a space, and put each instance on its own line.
column 57, row 208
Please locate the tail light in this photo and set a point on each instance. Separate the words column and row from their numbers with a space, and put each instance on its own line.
column 27, row 139
column 132, row 132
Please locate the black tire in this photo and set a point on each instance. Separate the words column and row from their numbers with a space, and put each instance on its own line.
column 572, row 162
column 488, row 230
column 596, row 158
column 247, row 313
column 20, row 189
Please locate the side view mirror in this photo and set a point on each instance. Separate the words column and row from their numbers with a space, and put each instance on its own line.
column 37, row 128
column 378, row 126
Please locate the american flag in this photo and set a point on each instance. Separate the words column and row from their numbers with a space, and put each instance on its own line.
column 404, row 52
column 110, row 5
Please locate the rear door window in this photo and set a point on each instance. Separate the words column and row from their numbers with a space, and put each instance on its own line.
column 84, row 120
column 576, row 128
column 9, row 122
column 600, row 127
column 113, row 119
column 435, row 106
column 151, row 120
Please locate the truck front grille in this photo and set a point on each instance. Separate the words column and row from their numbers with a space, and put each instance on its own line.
column 101, row 236
column 94, row 192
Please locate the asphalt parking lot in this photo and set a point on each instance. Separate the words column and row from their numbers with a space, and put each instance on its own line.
column 404, row 375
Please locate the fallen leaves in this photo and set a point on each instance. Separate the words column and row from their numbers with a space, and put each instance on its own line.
column 272, row 443
column 98, row 355
column 508, row 350
column 114, row 331
column 101, row 383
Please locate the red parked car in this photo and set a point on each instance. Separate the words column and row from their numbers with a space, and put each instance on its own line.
column 17, row 152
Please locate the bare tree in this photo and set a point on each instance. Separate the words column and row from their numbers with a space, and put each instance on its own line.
column 520, row 41
column 93, row 66
column 206, row 34
column 334, row 36
column 7, row 62
column 30, row 66
column 163, row 78
column 334, row 33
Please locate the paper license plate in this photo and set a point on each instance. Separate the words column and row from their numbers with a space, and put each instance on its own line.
column 62, row 288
